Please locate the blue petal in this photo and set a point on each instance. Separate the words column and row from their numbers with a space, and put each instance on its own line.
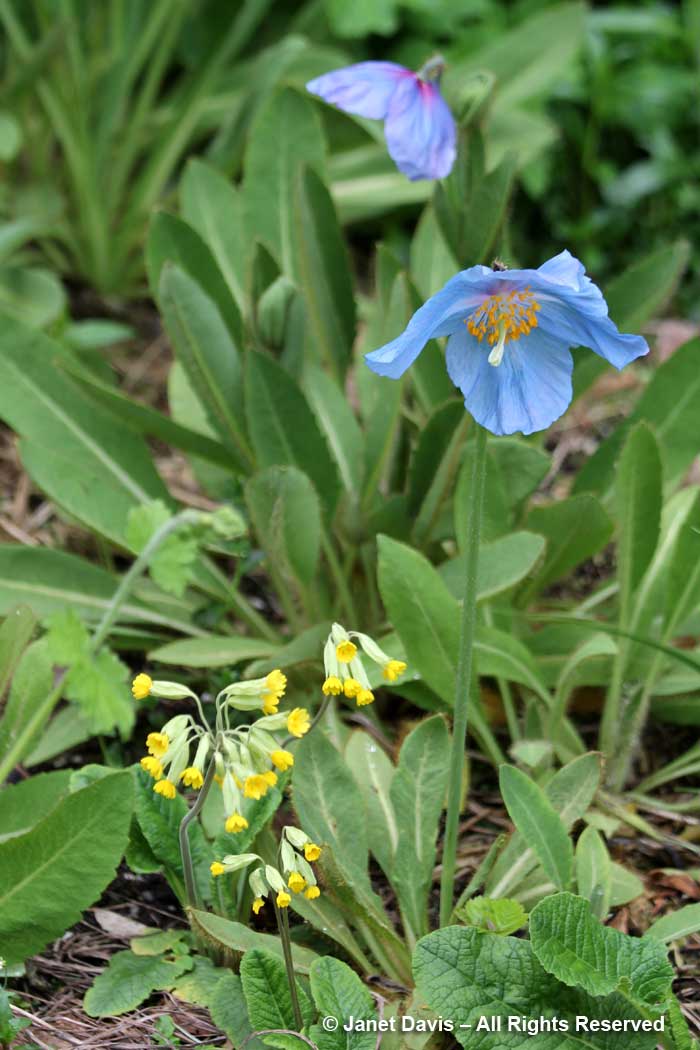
column 442, row 314
column 573, row 309
column 528, row 390
column 570, row 320
column 364, row 89
column 420, row 130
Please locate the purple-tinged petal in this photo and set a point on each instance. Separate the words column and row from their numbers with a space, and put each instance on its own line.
column 420, row 130
column 527, row 392
column 442, row 314
column 364, row 89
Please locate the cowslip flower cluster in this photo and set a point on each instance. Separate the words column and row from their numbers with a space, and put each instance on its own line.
column 246, row 759
column 343, row 667
column 293, row 875
column 510, row 335
column 420, row 131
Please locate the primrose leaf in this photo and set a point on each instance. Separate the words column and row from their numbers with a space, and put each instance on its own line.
column 266, row 990
column 573, row 946
column 51, row 873
column 472, row 977
column 129, row 979
column 338, row 992
column 500, row 917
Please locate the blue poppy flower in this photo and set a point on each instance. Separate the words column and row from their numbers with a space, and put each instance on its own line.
column 419, row 128
column 510, row 334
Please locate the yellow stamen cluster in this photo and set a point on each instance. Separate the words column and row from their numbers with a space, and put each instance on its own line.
column 141, row 686
column 506, row 315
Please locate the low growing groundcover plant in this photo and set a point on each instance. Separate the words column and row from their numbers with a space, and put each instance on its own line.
column 355, row 688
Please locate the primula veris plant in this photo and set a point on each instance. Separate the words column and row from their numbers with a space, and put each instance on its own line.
column 292, row 875
column 419, row 127
column 510, row 333
column 245, row 760
column 344, row 670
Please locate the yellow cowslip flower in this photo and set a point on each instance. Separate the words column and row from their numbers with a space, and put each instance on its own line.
column 312, row 852
column 346, row 651
column 312, row 892
column 283, row 899
column 157, row 744
column 276, row 682
column 298, row 721
column 332, row 686
column 152, row 765
column 141, row 686
column 270, row 704
column 258, row 903
column 192, row 777
column 393, row 669
column 270, row 778
column 217, row 868
column 282, row 759
column 166, row 788
column 255, row 786
column 235, row 823
column 364, row 697
column 351, row 688
column 296, row 882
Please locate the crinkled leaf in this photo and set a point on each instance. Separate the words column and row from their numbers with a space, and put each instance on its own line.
column 266, row 989
column 338, row 992
column 129, row 980
column 573, row 946
column 502, row 916
column 464, row 975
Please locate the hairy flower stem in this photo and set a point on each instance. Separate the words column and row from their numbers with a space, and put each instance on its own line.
column 139, row 566
column 464, row 678
column 283, row 927
column 191, row 892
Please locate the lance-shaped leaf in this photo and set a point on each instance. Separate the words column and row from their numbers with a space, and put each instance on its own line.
column 538, row 823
